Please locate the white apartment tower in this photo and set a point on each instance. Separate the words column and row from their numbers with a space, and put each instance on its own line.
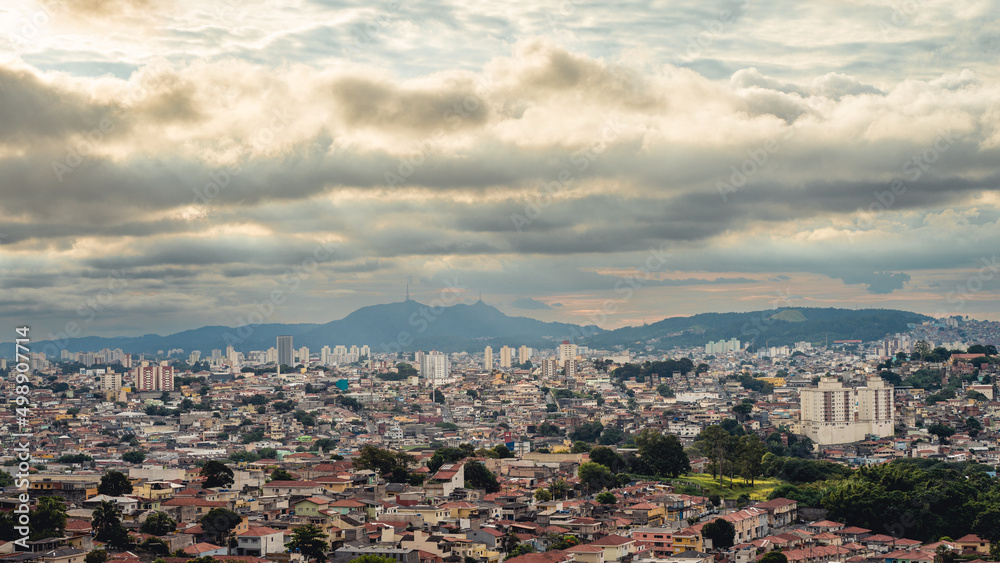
column 523, row 354
column 488, row 358
column 834, row 414
column 505, row 359
column 111, row 382
column 435, row 368
column 567, row 351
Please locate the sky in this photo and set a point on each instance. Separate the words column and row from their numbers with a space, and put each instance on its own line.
column 166, row 164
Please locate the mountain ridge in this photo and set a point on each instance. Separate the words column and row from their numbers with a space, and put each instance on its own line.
column 410, row 325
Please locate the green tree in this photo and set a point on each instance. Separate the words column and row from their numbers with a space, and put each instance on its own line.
column 520, row 550
column 973, row 426
column 987, row 524
column 216, row 474
column 477, row 476
column 96, row 556
column 134, row 456
column 587, row 432
column 942, row 431
column 438, row 396
column 543, row 495
column 750, row 457
column 381, row 461
column 607, row 497
column 662, row 455
column 503, row 452
column 48, row 519
column 713, row 442
column 773, row 557
column 721, row 532
column 563, row 542
column 743, row 410
column 370, row 558
column 664, row 390
column 219, row 522
column 612, row 435
column 158, row 524
column 449, row 455
column 114, row 484
column 580, row 448
column 595, row 477
column 106, row 518
column 559, row 488
column 310, row 541
column 608, row 458
column 281, row 475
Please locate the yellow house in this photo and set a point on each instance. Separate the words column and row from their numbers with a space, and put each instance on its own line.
column 461, row 509
column 334, row 484
column 153, row 490
column 432, row 514
column 687, row 540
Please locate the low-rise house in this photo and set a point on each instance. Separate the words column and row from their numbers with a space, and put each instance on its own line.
column 259, row 541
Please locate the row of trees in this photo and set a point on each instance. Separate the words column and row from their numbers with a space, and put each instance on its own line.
column 731, row 454
column 658, row 454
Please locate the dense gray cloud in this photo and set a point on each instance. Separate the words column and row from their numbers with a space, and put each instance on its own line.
column 552, row 155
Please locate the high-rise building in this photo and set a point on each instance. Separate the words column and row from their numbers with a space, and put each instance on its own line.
column 153, row 378
column 285, row 353
column 523, row 354
column 488, row 358
column 366, row 351
column 550, row 368
column 567, row 351
column 569, row 367
column 434, row 368
column 325, row 356
column 505, row 359
column 834, row 414
column 303, row 356
column 111, row 382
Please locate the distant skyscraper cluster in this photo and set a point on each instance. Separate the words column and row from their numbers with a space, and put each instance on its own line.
column 722, row 346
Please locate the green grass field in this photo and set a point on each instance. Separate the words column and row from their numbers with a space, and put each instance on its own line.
column 759, row 491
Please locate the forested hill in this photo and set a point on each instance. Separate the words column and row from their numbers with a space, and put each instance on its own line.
column 776, row 327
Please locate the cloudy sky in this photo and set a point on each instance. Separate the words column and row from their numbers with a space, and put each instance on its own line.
column 167, row 164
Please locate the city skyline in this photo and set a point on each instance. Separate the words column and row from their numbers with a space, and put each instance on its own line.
column 182, row 165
